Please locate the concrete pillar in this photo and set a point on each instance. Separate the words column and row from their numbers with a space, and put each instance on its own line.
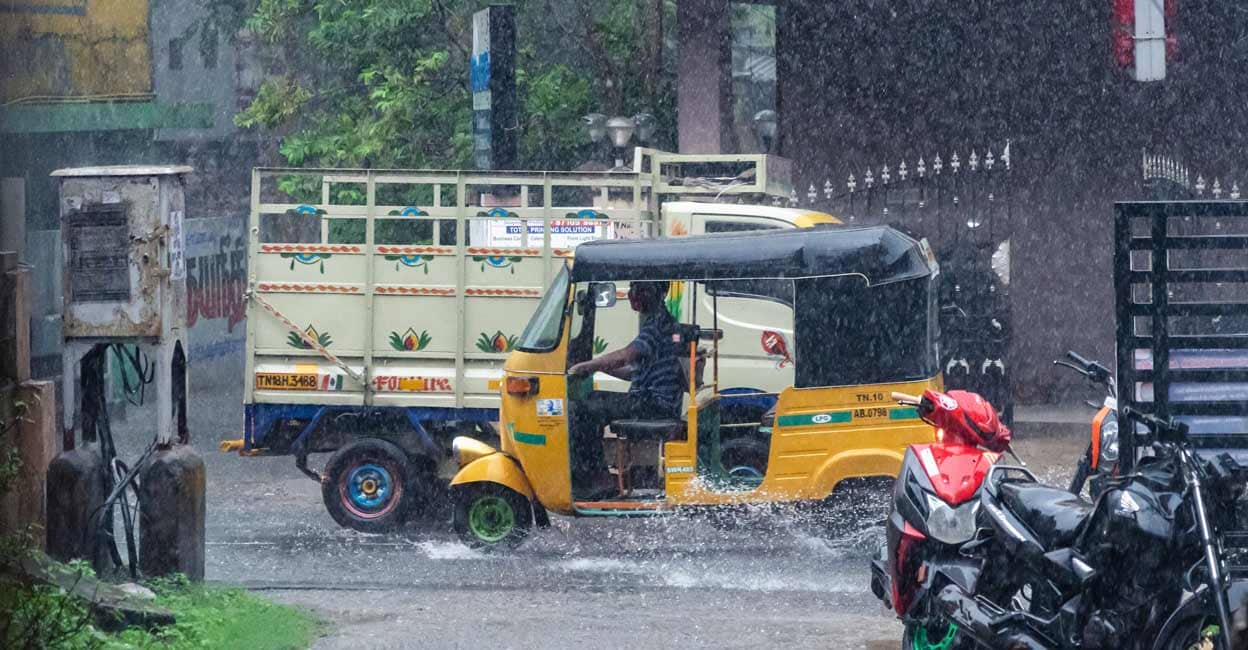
column 24, row 507
column 703, row 75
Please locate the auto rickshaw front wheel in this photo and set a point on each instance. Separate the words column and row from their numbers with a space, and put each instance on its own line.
column 371, row 486
column 490, row 517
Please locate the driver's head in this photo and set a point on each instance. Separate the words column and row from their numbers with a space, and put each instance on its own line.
column 646, row 296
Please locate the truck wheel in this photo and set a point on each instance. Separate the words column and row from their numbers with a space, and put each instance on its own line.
column 490, row 517
column 370, row 486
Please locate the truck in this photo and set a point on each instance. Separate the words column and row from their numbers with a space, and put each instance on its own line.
column 381, row 305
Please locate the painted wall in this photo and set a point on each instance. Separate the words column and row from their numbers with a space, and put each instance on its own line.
column 79, row 48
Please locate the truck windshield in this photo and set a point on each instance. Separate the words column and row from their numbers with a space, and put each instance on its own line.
column 543, row 330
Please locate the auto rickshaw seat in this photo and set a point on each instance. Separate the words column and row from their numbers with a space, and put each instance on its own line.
column 633, row 429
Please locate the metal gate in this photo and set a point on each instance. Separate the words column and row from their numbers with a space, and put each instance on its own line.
column 961, row 205
column 1167, row 178
column 1180, row 275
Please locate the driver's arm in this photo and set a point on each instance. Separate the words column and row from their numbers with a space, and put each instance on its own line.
column 617, row 363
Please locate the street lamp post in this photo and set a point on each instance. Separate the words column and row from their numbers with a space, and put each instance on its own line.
column 620, row 130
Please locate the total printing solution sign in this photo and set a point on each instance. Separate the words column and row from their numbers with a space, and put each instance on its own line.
column 564, row 233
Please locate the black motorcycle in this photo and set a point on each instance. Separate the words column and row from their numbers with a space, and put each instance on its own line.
column 1142, row 567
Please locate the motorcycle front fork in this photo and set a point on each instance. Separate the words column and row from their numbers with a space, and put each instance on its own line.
column 1213, row 562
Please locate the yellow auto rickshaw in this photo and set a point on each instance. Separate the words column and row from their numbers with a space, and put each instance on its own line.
column 864, row 325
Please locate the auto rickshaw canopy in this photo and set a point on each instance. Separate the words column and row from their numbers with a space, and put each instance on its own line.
column 878, row 254
column 864, row 299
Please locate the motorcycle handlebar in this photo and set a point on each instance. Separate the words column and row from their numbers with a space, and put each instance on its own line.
column 1074, row 356
column 908, row 400
column 1168, row 429
column 1092, row 370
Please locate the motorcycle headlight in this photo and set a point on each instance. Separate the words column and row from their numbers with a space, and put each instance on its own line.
column 1109, row 444
column 949, row 524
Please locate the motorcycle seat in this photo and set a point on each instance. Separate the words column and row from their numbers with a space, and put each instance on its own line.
column 1054, row 516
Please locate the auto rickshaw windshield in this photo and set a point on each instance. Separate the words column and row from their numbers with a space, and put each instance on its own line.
column 543, row 331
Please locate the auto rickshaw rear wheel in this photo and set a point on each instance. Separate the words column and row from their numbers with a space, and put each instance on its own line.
column 489, row 516
column 371, row 486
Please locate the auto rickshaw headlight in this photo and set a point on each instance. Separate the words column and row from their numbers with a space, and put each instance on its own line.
column 464, row 450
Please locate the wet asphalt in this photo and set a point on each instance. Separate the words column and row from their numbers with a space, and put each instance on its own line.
column 770, row 578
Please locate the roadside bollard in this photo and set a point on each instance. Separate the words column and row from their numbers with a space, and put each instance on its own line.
column 75, row 492
column 171, row 515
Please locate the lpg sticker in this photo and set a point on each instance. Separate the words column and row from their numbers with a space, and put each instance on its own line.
column 821, row 418
column 549, row 408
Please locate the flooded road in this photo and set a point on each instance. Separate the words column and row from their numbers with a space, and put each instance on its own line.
column 613, row 583
column 771, row 579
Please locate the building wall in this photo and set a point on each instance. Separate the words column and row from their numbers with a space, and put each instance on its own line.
column 74, row 48
column 99, row 86
column 195, row 60
column 870, row 83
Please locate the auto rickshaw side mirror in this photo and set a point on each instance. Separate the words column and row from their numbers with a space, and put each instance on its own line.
column 604, row 294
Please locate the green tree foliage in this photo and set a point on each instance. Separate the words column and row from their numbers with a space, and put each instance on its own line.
column 384, row 83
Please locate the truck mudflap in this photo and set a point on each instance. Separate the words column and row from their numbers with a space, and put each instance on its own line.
column 496, row 468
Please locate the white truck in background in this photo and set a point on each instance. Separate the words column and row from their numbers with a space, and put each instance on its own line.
column 382, row 304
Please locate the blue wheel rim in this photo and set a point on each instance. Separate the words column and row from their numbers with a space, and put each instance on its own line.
column 369, row 487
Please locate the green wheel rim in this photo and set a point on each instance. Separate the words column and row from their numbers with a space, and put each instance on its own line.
column 491, row 519
column 921, row 641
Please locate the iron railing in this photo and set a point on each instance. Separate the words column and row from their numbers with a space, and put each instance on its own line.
column 1181, row 287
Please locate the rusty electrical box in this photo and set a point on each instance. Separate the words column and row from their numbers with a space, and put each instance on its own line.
column 121, row 228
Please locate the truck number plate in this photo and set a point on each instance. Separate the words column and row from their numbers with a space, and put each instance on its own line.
column 285, row 381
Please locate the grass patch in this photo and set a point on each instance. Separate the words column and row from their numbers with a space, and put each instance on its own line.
column 215, row 616
column 40, row 616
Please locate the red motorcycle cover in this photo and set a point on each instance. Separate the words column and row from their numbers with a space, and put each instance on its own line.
column 965, row 418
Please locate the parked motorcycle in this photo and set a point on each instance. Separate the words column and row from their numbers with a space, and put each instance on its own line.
column 935, row 512
column 1143, row 567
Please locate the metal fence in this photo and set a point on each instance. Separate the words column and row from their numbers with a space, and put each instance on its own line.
column 961, row 203
column 1180, row 277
